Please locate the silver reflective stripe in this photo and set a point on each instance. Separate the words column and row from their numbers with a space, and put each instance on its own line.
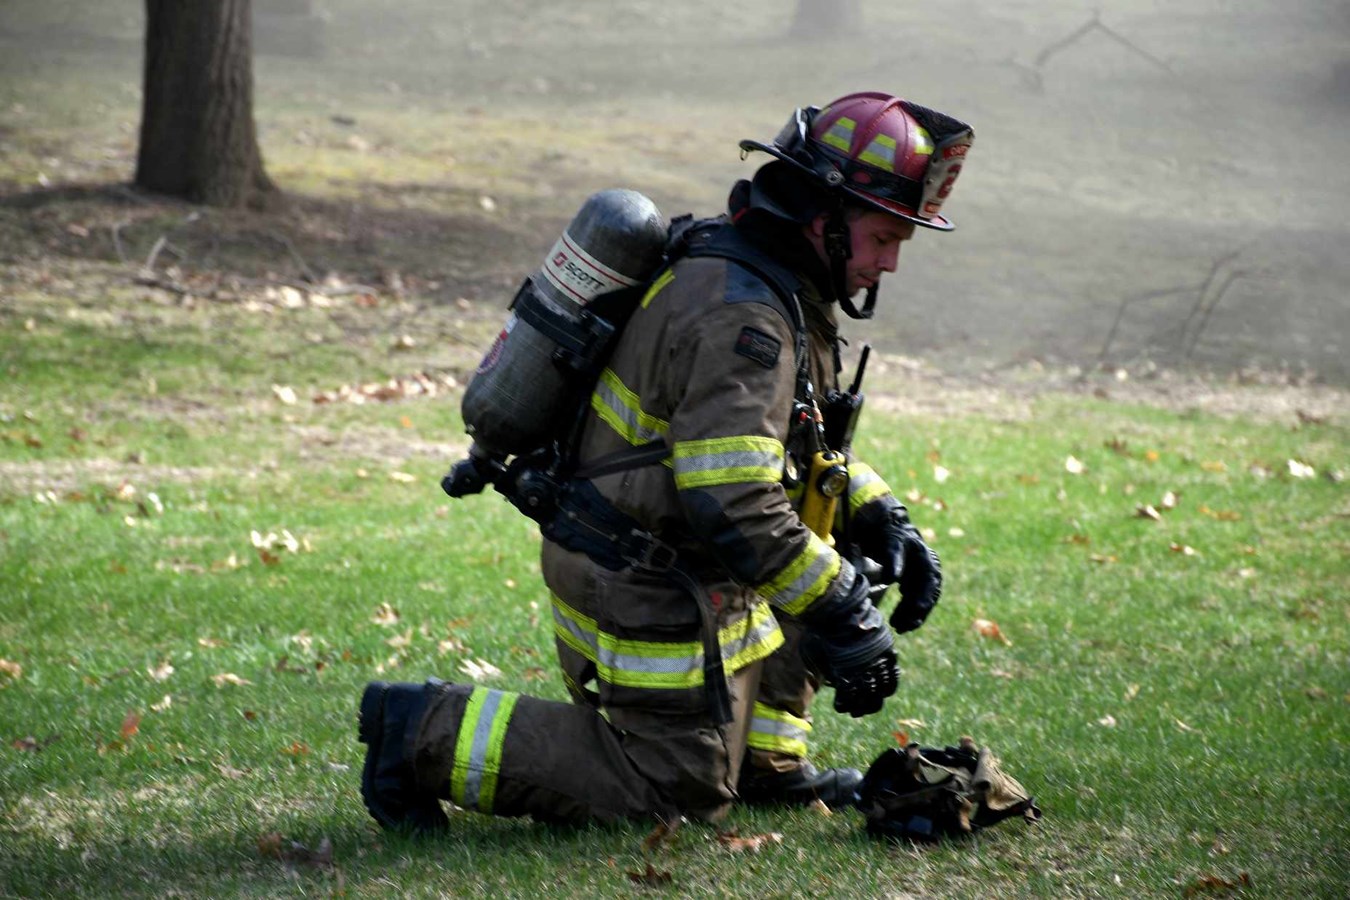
column 631, row 423
column 731, row 459
column 482, row 736
column 808, row 583
column 778, row 729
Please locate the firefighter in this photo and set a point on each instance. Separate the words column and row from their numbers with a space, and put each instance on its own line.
column 695, row 614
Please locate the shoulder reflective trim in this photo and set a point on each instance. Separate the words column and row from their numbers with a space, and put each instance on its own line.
column 621, row 409
column 806, row 578
column 864, row 485
column 658, row 285
column 777, row 730
column 478, row 748
column 664, row 665
column 739, row 459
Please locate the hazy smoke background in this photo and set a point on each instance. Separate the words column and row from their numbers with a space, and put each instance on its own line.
column 1129, row 161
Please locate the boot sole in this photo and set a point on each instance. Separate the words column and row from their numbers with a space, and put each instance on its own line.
column 371, row 733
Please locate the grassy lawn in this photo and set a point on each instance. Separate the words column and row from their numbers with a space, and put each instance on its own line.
column 176, row 701
column 219, row 511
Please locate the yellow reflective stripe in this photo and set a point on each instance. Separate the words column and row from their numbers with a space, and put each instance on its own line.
column 864, row 485
column 664, row 665
column 840, row 134
column 620, row 408
column 805, row 578
column 880, row 152
column 738, row 459
column 478, row 748
column 778, row 731
column 666, row 278
column 923, row 141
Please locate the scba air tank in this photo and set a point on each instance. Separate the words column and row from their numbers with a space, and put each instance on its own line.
column 512, row 403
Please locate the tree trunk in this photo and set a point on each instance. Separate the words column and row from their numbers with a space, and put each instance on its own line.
column 197, row 136
column 827, row 17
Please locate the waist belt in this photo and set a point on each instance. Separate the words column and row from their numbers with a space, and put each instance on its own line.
column 588, row 523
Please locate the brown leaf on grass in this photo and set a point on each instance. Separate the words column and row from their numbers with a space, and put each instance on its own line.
column 163, row 704
column 818, row 807
column 231, row 772
column 1147, row 511
column 1208, row 884
column 385, row 615
column 661, row 835
column 210, row 642
column 402, row 477
column 1183, row 549
column 130, row 725
column 479, row 669
column 752, row 844
column 1184, row 727
column 225, row 678
column 268, row 558
column 1152, row 456
column 400, row 641
column 1073, row 465
column 1029, row 479
column 160, row 672
column 651, row 877
column 1131, row 692
column 1169, row 500
column 11, row 670
column 1078, row 539
column 249, row 715
column 1214, row 465
column 27, row 744
column 986, row 628
column 1118, row 446
column 1299, row 469
column 901, row 738
column 297, row 749
column 269, row 845
column 1221, row 515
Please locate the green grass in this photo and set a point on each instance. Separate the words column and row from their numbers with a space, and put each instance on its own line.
column 1224, row 671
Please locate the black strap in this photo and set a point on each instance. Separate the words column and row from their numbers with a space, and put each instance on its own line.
column 625, row 459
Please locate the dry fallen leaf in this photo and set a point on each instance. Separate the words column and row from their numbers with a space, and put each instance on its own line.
column 232, row 773
column 651, row 877
column 1299, row 469
column 752, row 844
column 11, row 670
column 1210, row 883
column 402, row 477
column 986, row 628
column 1131, row 692
column 911, row 723
column 1074, row 466
column 1221, row 515
column 385, row 615
column 130, row 725
column 1147, row 511
column 210, row 642
column 1105, row 559
column 1152, row 456
column 285, row 394
column 1183, row 549
column 296, row 749
column 225, row 678
column 660, row 835
column 901, row 738
column 1169, row 500
column 1183, row 726
column 1214, row 465
column 479, row 669
column 161, row 672
column 163, row 704
column 1107, row 721
column 941, row 474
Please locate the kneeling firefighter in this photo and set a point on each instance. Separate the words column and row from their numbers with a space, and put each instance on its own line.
column 695, row 611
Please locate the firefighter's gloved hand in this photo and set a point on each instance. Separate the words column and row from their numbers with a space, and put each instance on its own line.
column 852, row 648
column 884, row 533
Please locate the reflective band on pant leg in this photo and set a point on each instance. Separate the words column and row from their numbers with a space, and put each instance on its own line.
column 478, row 748
column 778, row 731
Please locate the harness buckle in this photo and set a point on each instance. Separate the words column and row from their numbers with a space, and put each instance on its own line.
column 642, row 550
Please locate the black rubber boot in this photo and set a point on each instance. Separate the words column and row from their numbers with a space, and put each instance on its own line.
column 390, row 714
column 800, row 787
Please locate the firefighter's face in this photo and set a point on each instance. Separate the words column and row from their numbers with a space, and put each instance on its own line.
column 875, row 238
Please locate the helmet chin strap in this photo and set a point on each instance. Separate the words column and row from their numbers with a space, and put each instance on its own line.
column 839, row 248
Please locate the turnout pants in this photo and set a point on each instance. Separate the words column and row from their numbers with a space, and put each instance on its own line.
column 637, row 741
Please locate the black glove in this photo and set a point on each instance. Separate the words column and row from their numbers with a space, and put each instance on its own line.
column 852, row 648
column 882, row 532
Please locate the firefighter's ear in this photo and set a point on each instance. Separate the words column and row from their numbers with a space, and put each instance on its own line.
column 816, row 227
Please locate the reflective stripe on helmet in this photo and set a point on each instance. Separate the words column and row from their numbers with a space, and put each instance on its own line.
column 619, row 407
column 804, row 580
column 478, row 748
column 840, row 134
column 778, row 731
column 738, row 459
column 664, row 665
